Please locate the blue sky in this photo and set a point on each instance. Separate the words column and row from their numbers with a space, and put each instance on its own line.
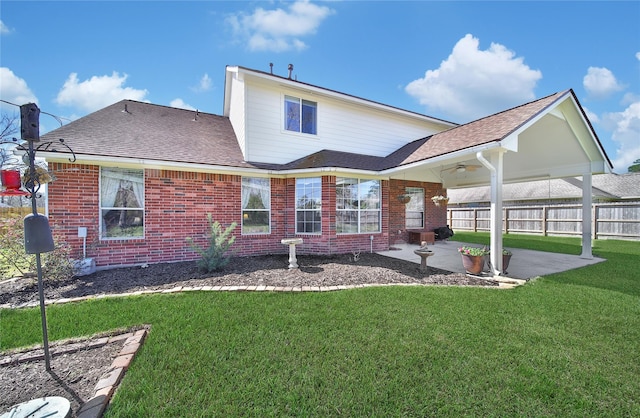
column 456, row 61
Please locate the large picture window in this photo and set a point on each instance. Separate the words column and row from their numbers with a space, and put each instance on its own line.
column 121, row 203
column 357, row 206
column 300, row 115
column 309, row 205
column 256, row 205
column 414, row 209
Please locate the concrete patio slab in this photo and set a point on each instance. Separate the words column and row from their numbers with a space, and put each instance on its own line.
column 525, row 264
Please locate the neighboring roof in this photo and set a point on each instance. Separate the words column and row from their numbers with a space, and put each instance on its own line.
column 604, row 186
column 482, row 131
column 131, row 129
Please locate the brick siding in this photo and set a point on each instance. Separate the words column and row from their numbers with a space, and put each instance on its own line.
column 176, row 205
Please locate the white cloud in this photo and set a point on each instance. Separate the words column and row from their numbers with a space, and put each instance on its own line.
column 97, row 92
column 638, row 56
column 204, row 84
column 472, row 83
column 279, row 30
column 4, row 29
column 592, row 116
column 14, row 89
column 600, row 82
column 626, row 134
column 180, row 104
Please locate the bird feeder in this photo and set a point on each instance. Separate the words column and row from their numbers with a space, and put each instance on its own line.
column 11, row 183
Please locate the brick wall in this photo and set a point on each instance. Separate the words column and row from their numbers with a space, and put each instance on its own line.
column 435, row 216
column 176, row 204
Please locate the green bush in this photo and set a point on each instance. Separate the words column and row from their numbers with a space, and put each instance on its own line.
column 214, row 257
column 14, row 261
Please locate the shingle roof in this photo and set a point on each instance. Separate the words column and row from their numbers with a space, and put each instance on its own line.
column 166, row 134
column 604, row 186
column 131, row 129
column 482, row 131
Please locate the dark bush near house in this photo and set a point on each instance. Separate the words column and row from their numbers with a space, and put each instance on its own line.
column 443, row 232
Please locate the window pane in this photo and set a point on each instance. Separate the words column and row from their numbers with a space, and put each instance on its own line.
column 256, row 205
column 292, row 114
column 346, row 193
column 255, row 222
column 369, row 221
column 309, row 112
column 256, row 193
column 414, row 209
column 308, row 205
column 370, row 194
column 347, row 222
column 122, row 223
column 121, row 203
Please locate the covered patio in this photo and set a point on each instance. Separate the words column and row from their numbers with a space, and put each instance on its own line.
column 547, row 138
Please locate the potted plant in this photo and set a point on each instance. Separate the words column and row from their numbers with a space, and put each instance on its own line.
column 506, row 258
column 439, row 199
column 473, row 258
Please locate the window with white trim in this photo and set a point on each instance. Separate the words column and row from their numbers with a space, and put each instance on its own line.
column 300, row 115
column 358, row 208
column 309, row 205
column 121, row 203
column 256, row 205
column 414, row 209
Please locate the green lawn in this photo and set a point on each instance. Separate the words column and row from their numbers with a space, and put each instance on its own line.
column 563, row 345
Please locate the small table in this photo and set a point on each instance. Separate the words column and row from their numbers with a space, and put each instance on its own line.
column 417, row 236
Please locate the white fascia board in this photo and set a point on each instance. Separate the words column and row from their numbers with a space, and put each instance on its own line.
column 59, row 157
column 301, row 86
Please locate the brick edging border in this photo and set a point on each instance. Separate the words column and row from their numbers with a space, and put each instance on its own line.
column 106, row 386
column 505, row 283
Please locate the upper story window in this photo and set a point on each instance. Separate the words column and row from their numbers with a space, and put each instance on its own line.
column 309, row 205
column 121, row 203
column 357, row 206
column 414, row 209
column 300, row 115
column 256, row 205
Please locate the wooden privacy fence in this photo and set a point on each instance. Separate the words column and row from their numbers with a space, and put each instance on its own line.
column 609, row 220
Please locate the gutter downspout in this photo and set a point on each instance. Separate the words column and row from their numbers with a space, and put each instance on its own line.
column 496, row 208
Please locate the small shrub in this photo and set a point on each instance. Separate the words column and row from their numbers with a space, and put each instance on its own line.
column 15, row 261
column 214, row 256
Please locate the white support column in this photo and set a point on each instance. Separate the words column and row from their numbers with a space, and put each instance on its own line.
column 587, row 202
column 496, row 169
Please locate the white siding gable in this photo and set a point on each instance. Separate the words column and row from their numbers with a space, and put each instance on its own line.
column 343, row 123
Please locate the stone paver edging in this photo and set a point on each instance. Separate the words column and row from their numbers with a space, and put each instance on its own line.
column 503, row 283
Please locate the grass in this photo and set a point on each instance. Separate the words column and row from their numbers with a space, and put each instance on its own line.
column 563, row 345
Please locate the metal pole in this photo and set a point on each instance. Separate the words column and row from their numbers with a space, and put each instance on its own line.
column 34, row 208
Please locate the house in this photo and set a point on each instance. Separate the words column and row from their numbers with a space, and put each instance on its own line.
column 290, row 159
column 609, row 187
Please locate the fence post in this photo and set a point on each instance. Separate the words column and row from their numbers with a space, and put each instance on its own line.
column 544, row 220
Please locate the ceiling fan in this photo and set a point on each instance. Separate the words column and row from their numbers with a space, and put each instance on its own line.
column 461, row 168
